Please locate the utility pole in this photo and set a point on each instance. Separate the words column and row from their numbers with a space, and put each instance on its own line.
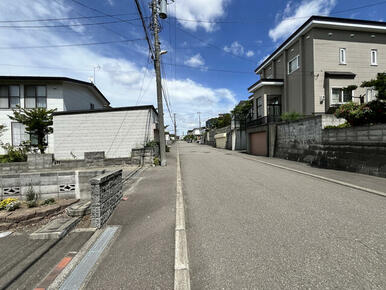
column 199, row 119
column 175, row 127
column 155, row 26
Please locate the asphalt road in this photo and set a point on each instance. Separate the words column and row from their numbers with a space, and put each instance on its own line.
column 254, row 226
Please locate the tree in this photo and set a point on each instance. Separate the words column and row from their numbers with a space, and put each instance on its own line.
column 379, row 84
column 38, row 122
column 242, row 110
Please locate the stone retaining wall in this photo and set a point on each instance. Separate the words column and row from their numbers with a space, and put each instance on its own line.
column 106, row 192
column 360, row 149
column 144, row 155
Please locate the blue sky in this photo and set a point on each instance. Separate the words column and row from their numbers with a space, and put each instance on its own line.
column 204, row 38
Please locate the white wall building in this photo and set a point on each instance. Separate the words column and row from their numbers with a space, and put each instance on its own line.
column 114, row 130
column 59, row 93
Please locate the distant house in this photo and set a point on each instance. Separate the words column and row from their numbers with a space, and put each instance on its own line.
column 59, row 93
column 311, row 72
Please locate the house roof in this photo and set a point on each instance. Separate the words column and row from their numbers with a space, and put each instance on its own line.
column 324, row 20
column 53, row 79
column 339, row 75
column 265, row 82
column 133, row 108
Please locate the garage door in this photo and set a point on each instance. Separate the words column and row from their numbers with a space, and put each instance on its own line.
column 258, row 143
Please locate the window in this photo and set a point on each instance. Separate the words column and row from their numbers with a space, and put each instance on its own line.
column 293, row 64
column 374, row 57
column 371, row 95
column 9, row 97
column 342, row 55
column 340, row 96
column 18, row 134
column 35, row 97
column 92, row 106
column 260, row 109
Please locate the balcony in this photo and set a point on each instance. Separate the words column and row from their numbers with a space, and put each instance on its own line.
column 262, row 121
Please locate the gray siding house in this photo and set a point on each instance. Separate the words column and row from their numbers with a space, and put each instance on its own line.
column 309, row 71
column 306, row 74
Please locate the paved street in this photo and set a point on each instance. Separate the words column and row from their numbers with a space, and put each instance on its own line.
column 251, row 225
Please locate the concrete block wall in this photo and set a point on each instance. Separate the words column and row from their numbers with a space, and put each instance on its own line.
column 145, row 155
column 370, row 135
column 106, row 192
column 55, row 184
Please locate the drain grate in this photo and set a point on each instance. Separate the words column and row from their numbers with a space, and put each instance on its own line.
column 79, row 274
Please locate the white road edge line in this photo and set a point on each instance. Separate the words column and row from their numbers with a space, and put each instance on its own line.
column 380, row 193
column 181, row 261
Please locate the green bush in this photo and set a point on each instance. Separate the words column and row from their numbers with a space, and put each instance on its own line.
column 32, row 203
column 167, row 148
column 293, row 116
column 48, row 201
column 156, row 161
column 356, row 114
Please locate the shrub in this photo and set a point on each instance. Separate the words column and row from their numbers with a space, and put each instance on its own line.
column 32, row 203
column 167, row 148
column 293, row 116
column 356, row 114
column 13, row 206
column 156, row 161
column 31, row 194
column 5, row 202
column 48, row 201
column 344, row 125
column 14, row 154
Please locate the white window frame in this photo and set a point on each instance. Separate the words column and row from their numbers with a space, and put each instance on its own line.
column 297, row 64
column 341, row 96
column 373, row 92
column 375, row 52
column 342, row 52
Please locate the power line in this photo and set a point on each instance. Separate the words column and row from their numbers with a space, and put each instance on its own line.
column 100, row 12
column 214, row 46
column 71, row 45
column 144, row 27
column 63, row 18
column 66, row 25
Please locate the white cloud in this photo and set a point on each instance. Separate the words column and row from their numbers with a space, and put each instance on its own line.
column 238, row 49
column 235, row 48
column 123, row 81
column 111, row 2
column 290, row 21
column 200, row 12
column 195, row 61
column 250, row 53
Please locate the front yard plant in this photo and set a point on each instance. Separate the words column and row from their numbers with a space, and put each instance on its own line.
column 32, row 197
column 370, row 113
column 9, row 204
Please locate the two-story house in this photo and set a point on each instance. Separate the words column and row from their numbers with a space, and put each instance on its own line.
column 60, row 93
column 312, row 71
column 308, row 72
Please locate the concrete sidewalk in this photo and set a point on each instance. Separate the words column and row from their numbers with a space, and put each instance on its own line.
column 362, row 180
column 142, row 255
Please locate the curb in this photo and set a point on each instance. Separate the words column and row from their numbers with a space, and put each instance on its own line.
column 181, row 261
